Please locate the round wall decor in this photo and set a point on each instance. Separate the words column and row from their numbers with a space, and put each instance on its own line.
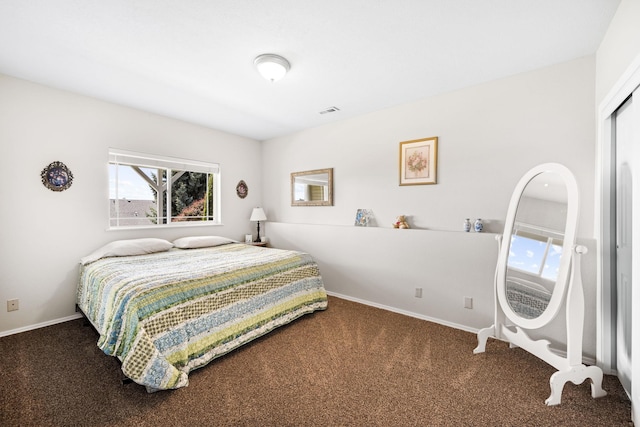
column 242, row 190
column 56, row 177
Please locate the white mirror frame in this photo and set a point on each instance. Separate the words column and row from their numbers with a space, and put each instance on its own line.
column 555, row 303
column 569, row 367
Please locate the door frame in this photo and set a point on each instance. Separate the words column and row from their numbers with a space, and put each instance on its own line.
column 604, row 221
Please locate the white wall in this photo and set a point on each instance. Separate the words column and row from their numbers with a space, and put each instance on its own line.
column 620, row 46
column 44, row 233
column 447, row 265
column 489, row 136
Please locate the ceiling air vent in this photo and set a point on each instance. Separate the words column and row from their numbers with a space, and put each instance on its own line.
column 330, row 110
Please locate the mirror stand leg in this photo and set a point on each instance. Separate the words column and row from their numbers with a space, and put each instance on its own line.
column 577, row 375
column 483, row 336
column 557, row 382
column 596, row 381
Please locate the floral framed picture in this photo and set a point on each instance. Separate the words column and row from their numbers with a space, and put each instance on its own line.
column 419, row 161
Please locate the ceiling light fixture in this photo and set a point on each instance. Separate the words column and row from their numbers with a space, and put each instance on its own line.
column 272, row 67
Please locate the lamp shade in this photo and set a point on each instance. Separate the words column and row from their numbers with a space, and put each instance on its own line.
column 272, row 67
column 258, row 215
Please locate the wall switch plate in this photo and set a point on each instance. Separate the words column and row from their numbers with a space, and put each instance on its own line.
column 468, row 302
column 418, row 292
column 13, row 304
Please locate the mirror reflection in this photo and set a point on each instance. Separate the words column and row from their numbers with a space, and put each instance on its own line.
column 312, row 188
column 536, row 245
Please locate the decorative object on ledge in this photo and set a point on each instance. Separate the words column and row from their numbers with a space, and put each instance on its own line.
column 401, row 222
column 242, row 190
column 478, row 226
column 419, row 161
column 363, row 217
column 258, row 215
column 466, row 225
column 56, row 177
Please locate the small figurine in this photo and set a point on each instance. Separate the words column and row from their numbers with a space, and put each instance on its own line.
column 401, row 222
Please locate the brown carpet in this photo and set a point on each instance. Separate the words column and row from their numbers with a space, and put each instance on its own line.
column 351, row 365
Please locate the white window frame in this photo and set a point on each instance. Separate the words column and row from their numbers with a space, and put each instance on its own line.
column 143, row 160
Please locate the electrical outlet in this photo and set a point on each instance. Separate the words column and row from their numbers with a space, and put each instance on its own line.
column 13, row 304
column 418, row 292
column 468, row 302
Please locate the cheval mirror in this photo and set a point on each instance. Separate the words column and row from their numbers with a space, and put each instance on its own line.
column 538, row 274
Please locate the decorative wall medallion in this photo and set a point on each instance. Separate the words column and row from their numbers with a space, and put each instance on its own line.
column 56, row 177
column 242, row 190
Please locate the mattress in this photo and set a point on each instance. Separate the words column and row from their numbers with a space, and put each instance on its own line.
column 168, row 313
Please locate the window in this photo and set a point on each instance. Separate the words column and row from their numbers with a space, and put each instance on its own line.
column 148, row 191
column 535, row 251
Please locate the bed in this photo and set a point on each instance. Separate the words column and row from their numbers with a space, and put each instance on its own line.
column 168, row 309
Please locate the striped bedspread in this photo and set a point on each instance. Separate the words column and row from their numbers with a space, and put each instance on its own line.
column 166, row 314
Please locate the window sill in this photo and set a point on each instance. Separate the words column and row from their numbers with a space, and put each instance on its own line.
column 164, row 226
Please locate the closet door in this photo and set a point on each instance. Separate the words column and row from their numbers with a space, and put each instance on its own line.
column 624, row 128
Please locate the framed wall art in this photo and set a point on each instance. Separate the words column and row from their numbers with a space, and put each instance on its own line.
column 242, row 189
column 363, row 217
column 419, row 161
column 56, row 176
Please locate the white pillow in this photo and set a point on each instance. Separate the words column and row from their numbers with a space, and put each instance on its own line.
column 193, row 242
column 128, row 247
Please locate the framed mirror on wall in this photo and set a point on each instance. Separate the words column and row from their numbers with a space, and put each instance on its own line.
column 312, row 188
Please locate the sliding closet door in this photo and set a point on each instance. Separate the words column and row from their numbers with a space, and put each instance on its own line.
column 623, row 133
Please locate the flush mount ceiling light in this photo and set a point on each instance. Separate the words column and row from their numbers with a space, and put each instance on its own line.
column 272, row 67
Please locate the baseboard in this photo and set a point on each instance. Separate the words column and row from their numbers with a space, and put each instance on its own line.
column 586, row 360
column 40, row 325
column 405, row 312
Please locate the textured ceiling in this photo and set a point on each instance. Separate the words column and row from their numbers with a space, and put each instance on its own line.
column 193, row 59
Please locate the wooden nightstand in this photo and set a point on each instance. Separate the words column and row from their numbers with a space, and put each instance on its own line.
column 262, row 244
